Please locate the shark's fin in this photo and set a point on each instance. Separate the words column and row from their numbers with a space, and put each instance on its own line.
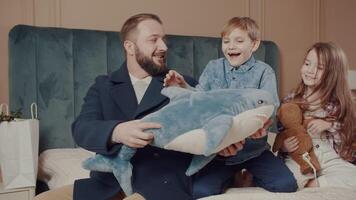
column 123, row 173
column 245, row 124
column 122, row 168
column 216, row 129
column 176, row 93
column 97, row 163
column 191, row 142
column 126, row 152
column 198, row 162
column 119, row 165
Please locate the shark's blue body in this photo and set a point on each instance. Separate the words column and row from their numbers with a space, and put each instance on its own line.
column 211, row 111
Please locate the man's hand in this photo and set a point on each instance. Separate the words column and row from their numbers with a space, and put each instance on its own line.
column 317, row 126
column 131, row 133
column 262, row 131
column 232, row 149
column 173, row 78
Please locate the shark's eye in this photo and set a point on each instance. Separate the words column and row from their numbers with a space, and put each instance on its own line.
column 260, row 101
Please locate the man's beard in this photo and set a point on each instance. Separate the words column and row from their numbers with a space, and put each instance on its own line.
column 149, row 65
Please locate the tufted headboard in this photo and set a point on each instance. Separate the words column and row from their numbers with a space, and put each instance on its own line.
column 55, row 67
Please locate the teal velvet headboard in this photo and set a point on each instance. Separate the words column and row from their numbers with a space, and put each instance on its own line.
column 54, row 67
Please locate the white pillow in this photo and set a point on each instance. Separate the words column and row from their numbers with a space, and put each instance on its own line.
column 59, row 167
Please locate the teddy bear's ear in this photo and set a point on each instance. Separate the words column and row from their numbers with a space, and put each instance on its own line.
column 175, row 93
column 301, row 103
column 278, row 112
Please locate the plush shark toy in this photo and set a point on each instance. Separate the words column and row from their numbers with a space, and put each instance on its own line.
column 200, row 123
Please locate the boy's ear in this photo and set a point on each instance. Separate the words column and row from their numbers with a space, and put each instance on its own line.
column 129, row 47
column 256, row 44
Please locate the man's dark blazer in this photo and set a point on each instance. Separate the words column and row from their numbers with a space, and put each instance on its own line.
column 157, row 173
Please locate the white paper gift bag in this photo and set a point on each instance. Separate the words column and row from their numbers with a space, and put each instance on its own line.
column 19, row 150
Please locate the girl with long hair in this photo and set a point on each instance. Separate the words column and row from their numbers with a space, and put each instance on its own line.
column 325, row 97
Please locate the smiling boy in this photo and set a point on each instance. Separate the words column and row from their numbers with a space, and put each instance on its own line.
column 239, row 69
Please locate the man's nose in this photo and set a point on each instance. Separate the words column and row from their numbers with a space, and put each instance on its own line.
column 162, row 45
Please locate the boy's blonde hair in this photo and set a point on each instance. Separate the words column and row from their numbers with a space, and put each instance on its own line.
column 244, row 23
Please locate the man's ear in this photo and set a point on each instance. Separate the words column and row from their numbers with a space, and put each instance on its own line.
column 129, row 47
column 256, row 44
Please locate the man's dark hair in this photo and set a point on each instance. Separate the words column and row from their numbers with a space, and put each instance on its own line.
column 131, row 24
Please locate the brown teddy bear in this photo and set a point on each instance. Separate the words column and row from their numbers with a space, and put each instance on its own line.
column 291, row 117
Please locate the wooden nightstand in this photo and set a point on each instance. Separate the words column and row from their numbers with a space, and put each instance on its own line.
column 26, row 193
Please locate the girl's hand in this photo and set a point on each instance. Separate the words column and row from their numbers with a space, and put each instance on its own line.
column 317, row 126
column 173, row 78
column 232, row 149
column 290, row 144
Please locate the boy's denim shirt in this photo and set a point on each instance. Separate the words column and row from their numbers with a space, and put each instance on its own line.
column 220, row 74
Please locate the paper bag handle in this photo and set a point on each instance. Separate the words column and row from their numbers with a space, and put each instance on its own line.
column 34, row 113
column 6, row 108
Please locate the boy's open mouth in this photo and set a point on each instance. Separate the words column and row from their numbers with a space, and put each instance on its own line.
column 234, row 55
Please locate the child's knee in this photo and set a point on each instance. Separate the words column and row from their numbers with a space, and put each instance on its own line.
column 204, row 190
column 200, row 191
column 287, row 184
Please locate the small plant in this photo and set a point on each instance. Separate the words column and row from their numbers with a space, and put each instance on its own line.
column 10, row 117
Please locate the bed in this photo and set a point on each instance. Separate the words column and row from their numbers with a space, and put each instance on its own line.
column 54, row 67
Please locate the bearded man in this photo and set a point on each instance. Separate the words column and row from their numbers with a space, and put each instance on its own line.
column 110, row 118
